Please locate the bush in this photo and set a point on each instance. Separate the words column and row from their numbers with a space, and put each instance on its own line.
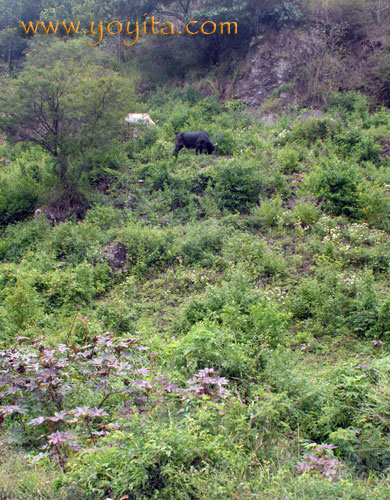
column 338, row 302
column 384, row 320
column 72, row 242
column 283, row 14
column 226, row 143
column 104, row 217
column 268, row 212
column 310, row 127
column 202, row 244
column 335, row 185
column 18, row 239
column 237, row 342
column 18, row 199
column 22, row 307
column 155, row 460
column 357, row 416
column 375, row 202
column 288, row 159
column 303, row 393
column 358, row 144
column 350, row 102
column 21, row 478
column 70, row 287
column 327, row 299
column 147, row 248
column 237, row 186
column 306, row 211
column 210, row 305
column 117, row 317
column 206, row 344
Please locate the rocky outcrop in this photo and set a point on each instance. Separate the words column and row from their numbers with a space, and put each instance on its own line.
column 272, row 62
column 302, row 65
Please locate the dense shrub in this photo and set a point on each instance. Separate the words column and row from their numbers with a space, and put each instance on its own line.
column 202, row 244
column 105, row 217
column 237, row 290
column 18, row 198
column 288, row 159
column 335, row 300
column 18, row 239
column 207, row 344
column 308, row 128
column 71, row 242
column 350, row 102
column 226, row 143
column 147, row 249
column 268, row 211
column 358, row 144
column 237, row 344
column 157, row 459
column 336, row 186
column 238, row 185
column 306, row 211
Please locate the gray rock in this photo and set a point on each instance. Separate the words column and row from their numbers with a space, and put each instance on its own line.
column 115, row 253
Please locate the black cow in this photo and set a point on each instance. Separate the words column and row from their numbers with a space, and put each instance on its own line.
column 198, row 140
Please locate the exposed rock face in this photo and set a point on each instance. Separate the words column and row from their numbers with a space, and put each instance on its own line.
column 274, row 61
column 300, row 65
column 115, row 253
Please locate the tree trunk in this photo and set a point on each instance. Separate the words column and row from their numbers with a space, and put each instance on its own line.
column 62, row 169
column 10, row 55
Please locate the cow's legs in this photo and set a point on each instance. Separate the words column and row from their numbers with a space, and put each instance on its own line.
column 199, row 147
column 177, row 149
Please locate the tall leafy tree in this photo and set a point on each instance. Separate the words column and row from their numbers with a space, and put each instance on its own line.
column 69, row 108
column 12, row 12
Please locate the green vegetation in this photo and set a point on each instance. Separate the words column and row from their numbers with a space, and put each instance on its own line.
column 271, row 267
column 241, row 348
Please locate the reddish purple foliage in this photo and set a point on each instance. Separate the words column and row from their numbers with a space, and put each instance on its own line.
column 321, row 461
column 39, row 387
column 207, row 382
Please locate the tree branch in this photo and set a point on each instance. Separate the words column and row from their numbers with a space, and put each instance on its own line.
column 173, row 14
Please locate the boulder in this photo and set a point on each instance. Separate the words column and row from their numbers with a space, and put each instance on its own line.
column 115, row 254
column 385, row 150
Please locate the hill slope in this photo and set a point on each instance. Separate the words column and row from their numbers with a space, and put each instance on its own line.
column 256, row 283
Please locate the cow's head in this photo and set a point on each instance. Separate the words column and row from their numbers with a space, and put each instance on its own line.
column 211, row 147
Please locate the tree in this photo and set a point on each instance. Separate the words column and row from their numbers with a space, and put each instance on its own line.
column 68, row 108
column 12, row 43
column 174, row 8
column 380, row 10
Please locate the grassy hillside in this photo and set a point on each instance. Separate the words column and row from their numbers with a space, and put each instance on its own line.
column 243, row 350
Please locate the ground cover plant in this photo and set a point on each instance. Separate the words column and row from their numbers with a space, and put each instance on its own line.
column 242, row 350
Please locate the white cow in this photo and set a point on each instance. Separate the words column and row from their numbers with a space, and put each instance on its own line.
column 139, row 119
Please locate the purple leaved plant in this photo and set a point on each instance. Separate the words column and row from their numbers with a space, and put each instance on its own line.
column 321, row 461
column 41, row 388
